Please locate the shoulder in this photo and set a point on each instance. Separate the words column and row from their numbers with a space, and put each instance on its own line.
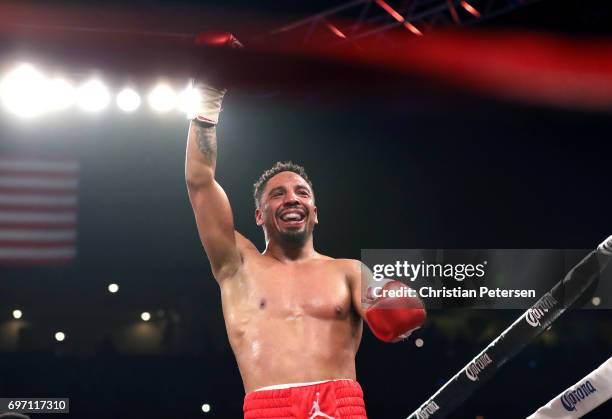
column 347, row 266
column 336, row 262
column 353, row 268
column 351, row 263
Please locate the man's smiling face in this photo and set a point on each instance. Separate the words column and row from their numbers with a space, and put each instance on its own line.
column 286, row 209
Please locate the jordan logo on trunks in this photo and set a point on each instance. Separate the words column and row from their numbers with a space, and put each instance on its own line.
column 315, row 412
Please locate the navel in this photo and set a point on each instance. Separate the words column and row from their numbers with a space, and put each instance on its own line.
column 262, row 303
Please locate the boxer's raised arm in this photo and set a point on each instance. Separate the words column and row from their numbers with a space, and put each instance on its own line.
column 210, row 203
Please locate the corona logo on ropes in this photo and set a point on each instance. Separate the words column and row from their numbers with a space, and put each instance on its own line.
column 477, row 366
column 571, row 398
column 429, row 409
column 534, row 314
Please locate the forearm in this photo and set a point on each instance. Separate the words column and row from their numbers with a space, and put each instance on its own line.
column 209, row 202
column 201, row 156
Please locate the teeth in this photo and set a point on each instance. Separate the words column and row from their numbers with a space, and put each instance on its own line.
column 291, row 217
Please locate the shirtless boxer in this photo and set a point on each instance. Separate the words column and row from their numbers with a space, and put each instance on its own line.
column 293, row 316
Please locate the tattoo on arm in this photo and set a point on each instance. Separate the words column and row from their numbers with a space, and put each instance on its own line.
column 206, row 138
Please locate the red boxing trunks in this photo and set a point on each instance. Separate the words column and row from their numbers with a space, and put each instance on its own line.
column 338, row 399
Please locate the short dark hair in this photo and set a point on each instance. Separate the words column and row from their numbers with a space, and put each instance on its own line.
column 284, row 166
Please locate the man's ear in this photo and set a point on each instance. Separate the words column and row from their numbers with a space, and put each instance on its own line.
column 316, row 215
column 259, row 217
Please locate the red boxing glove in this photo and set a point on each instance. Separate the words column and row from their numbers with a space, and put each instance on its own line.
column 394, row 314
column 208, row 96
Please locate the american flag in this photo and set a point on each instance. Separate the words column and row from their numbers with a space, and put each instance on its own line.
column 38, row 210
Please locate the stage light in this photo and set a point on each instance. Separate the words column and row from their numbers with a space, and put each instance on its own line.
column 334, row 29
column 469, row 8
column 60, row 336
column 419, row 343
column 17, row 314
column 205, row 408
column 188, row 101
column 397, row 16
column 412, row 28
column 128, row 100
column 162, row 98
column 145, row 316
column 93, row 96
column 596, row 301
column 113, row 288
column 21, row 91
column 60, row 95
column 390, row 10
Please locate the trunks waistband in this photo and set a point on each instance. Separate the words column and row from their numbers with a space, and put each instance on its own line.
column 289, row 385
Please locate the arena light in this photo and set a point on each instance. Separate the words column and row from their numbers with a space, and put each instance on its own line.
column 145, row 316
column 59, row 95
column 470, row 9
column 596, row 301
column 205, row 408
column 453, row 11
column 21, row 91
column 397, row 16
column 17, row 314
column 394, row 14
column 412, row 28
column 60, row 336
column 113, row 288
column 419, row 343
column 162, row 98
column 334, row 29
column 128, row 100
column 93, row 96
column 188, row 100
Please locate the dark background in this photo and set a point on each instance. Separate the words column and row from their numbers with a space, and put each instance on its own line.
column 415, row 168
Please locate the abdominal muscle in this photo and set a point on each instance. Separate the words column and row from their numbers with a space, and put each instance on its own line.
column 273, row 351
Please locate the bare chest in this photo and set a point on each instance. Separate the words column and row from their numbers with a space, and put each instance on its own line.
column 290, row 292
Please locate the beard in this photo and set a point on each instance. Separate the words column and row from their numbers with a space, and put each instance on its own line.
column 294, row 238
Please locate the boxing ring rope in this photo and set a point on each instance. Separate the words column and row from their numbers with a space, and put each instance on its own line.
column 582, row 397
column 519, row 334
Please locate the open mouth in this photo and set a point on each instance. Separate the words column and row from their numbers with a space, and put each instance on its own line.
column 292, row 217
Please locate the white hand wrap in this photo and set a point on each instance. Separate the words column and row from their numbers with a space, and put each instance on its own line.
column 208, row 103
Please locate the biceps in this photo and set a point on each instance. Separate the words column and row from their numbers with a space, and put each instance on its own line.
column 361, row 281
column 358, row 302
column 215, row 223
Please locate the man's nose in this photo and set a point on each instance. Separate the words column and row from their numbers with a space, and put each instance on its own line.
column 291, row 198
